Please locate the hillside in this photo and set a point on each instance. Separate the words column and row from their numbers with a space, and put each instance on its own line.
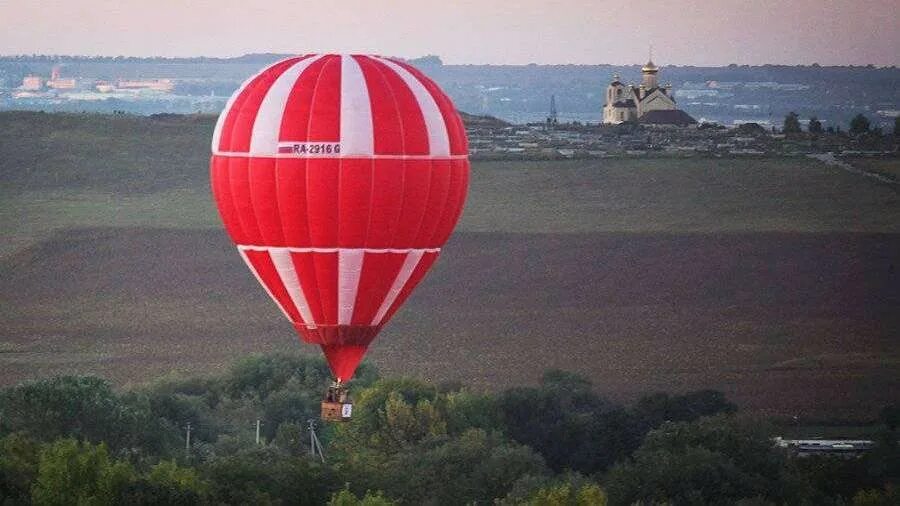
column 774, row 280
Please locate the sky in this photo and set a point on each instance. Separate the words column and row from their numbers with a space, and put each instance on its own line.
column 682, row 32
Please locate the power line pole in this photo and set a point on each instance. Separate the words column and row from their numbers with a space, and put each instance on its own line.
column 257, row 432
column 315, row 447
column 187, row 439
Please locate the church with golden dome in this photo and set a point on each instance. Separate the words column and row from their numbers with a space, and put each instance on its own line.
column 628, row 103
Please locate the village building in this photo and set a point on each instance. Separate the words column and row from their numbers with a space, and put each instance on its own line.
column 648, row 103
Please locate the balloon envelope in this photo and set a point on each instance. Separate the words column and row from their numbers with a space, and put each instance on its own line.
column 339, row 178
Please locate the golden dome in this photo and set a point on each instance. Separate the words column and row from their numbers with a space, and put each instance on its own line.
column 649, row 67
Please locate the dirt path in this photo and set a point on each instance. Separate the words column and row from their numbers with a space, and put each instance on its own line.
column 830, row 159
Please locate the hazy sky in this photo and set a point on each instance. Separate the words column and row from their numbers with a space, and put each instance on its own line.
column 698, row 32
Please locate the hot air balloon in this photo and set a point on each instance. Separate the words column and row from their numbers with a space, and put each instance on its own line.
column 339, row 178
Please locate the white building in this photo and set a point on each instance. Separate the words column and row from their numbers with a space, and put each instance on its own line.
column 632, row 103
column 32, row 83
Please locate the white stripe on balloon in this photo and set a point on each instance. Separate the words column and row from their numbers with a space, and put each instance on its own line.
column 357, row 132
column 438, row 139
column 288, row 274
column 350, row 262
column 267, row 125
column 220, row 122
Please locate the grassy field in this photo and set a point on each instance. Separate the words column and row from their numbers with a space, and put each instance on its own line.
column 774, row 280
column 884, row 166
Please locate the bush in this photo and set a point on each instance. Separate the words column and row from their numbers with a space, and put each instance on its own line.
column 476, row 467
column 267, row 475
column 70, row 472
column 859, row 125
column 716, row 460
column 81, row 407
column 18, row 468
column 568, row 424
column 347, row 498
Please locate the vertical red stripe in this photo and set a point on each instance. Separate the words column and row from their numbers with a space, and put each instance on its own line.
column 264, row 199
column 452, row 208
column 416, row 182
column 434, row 206
column 290, row 176
column 388, row 197
column 354, row 201
column 238, row 124
column 325, row 110
column 221, row 188
column 265, row 269
column 326, row 266
column 296, row 118
column 322, row 192
column 239, row 184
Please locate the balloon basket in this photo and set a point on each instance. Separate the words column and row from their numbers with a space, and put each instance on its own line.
column 337, row 406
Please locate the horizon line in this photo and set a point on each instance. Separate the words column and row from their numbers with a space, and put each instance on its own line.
column 408, row 58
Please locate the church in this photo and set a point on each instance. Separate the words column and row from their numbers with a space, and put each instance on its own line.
column 648, row 103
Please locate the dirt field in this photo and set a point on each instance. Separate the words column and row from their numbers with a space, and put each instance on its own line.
column 784, row 323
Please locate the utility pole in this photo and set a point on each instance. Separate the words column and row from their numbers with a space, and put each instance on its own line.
column 257, row 432
column 315, row 447
column 187, row 439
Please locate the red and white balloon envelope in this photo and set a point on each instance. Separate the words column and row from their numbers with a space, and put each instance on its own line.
column 339, row 178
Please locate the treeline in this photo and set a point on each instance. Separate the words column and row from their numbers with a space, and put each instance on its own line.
column 75, row 440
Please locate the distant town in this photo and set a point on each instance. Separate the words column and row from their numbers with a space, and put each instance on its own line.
column 533, row 112
column 492, row 139
column 729, row 95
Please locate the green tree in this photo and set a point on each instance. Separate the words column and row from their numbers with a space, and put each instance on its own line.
column 18, row 468
column 565, row 494
column 70, row 472
column 467, row 410
column 568, row 424
column 890, row 416
column 475, row 467
column 716, row 460
column 292, row 438
column 882, row 463
column 169, row 473
column 83, row 407
column 827, row 479
column 347, row 498
column 653, row 410
column 266, row 475
column 859, row 125
column 260, row 375
column 165, row 483
column 174, row 409
column 815, row 126
column 791, row 123
column 291, row 403
column 872, row 497
column 394, row 415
